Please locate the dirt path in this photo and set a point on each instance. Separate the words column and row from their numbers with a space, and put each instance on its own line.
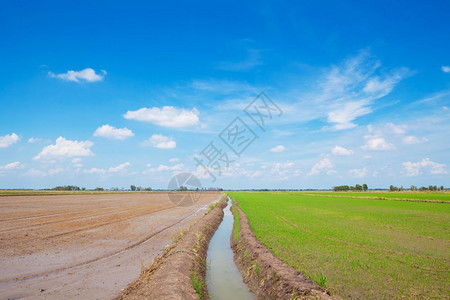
column 89, row 246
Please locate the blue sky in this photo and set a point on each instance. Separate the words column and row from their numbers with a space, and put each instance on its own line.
column 117, row 93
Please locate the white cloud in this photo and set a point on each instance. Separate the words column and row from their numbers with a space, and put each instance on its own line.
column 411, row 140
column 374, row 142
column 77, row 162
column 39, row 173
column 65, row 148
column 174, row 160
column 8, row 140
column 414, row 168
column 382, row 87
column 113, row 133
column 358, row 172
column 445, row 69
column 344, row 116
column 35, row 173
column 86, row 75
column 397, row 129
column 279, row 148
column 284, row 171
column 338, row 150
column 168, row 116
column 32, row 140
column 117, row 169
column 163, row 168
column 350, row 89
column 160, row 141
column 12, row 166
column 324, row 165
column 201, row 173
column 253, row 59
column 55, row 171
column 176, row 167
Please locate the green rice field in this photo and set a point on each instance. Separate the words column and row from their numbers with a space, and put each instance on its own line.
column 435, row 196
column 358, row 247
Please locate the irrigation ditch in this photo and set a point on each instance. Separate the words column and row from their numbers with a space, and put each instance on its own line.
column 219, row 257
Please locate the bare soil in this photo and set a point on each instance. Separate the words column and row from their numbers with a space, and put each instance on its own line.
column 267, row 276
column 85, row 246
column 170, row 276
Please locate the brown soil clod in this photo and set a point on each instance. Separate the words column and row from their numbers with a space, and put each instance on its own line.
column 266, row 275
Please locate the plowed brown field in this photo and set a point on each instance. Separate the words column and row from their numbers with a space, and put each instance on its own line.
column 89, row 246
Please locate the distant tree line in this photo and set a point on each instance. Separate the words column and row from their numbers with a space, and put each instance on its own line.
column 138, row 188
column 393, row 188
column 68, row 188
column 356, row 187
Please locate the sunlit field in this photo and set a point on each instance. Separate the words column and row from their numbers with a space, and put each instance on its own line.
column 358, row 247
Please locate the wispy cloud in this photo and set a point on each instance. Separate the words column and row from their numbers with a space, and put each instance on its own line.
column 411, row 140
column 116, row 169
column 12, row 166
column 252, row 60
column 33, row 140
column 350, row 89
column 85, row 75
column 358, row 172
column 165, row 168
column 445, row 69
column 39, row 173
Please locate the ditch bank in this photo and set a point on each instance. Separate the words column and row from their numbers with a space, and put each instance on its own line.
column 267, row 276
column 181, row 271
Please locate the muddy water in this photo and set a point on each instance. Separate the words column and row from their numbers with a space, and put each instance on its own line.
column 222, row 277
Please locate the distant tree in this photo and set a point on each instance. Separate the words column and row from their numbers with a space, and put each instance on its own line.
column 99, row 189
column 148, row 189
column 413, row 188
column 442, row 187
column 83, row 188
column 422, row 188
column 67, row 188
column 365, row 187
column 393, row 188
column 133, row 187
column 401, row 188
column 340, row 188
column 182, row 188
column 358, row 187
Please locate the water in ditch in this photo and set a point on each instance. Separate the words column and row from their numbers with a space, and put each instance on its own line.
column 223, row 278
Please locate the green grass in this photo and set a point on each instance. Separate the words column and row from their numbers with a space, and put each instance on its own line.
column 439, row 196
column 199, row 285
column 236, row 224
column 356, row 247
